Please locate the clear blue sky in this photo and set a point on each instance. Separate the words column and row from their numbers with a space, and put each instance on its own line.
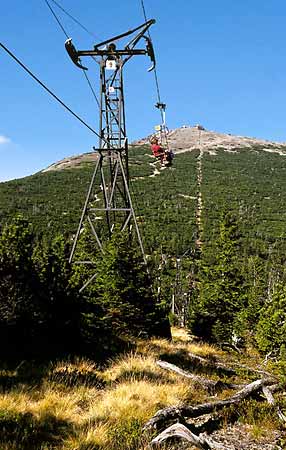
column 220, row 63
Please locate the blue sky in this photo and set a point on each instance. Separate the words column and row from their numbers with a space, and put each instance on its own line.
column 220, row 63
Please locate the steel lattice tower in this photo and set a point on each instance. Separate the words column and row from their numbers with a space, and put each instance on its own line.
column 111, row 175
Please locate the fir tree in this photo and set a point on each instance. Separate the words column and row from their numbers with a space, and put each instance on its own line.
column 221, row 291
column 123, row 289
column 271, row 327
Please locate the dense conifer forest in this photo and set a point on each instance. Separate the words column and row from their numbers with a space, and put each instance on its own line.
column 213, row 232
column 232, row 278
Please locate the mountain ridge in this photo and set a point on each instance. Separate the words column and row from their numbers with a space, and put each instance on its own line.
column 186, row 139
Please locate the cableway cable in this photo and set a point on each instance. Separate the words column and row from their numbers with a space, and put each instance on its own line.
column 159, row 105
column 162, row 109
column 74, row 19
column 155, row 70
column 50, row 92
column 91, row 88
column 56, row 18
column 67, row 36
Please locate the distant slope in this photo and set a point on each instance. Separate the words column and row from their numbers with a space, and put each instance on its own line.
column 184, row 139
column 190, row 138
column 241, row 174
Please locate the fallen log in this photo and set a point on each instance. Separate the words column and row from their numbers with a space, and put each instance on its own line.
column 268, row 395
column 171, row 414
column 211, row 385
column 267, row 391
column 182, row 432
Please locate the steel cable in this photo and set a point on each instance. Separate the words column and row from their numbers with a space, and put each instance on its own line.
column 50, row 92
column 64, row 31
column 155, row 70
column 56, row 18
column 164, row 130
column 74, row 19
column 91, row 88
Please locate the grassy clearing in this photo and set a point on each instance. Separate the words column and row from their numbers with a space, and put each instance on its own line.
column 78, row 406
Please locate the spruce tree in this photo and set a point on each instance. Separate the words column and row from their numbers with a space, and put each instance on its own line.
column 221, row 290
column 122, row 290
column 271, row 327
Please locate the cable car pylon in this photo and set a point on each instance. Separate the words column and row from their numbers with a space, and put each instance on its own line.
column 111, row 174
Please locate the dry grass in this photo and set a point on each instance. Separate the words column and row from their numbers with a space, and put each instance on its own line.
column 181, row 341
column 79, row 407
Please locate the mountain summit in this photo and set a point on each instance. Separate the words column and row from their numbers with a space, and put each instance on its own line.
column 184, row 139
column 188, row 138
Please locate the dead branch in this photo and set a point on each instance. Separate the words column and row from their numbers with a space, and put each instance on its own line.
column 267, row 391
column 176, row 413
column 268, row 395
column 281, row 415
column 212, row 365
column 231, row 371
column 218, row 365
column 210, row 385
column 225, row 345
column 258, row 371
column 181, row 431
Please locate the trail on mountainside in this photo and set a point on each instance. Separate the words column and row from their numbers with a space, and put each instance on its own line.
column 199, row 195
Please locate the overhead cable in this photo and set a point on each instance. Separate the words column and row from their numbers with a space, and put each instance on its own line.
column 91, row 88
column 57, row 19
column 64, row 31
column 74, row 19
column 49, row 91
column 161, row 111
column 155, row 70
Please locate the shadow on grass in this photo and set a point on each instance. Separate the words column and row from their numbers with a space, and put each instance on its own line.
column 143, row 374
column 29, row 432
column 184, row 360
column 25, row 373
column 72, row 376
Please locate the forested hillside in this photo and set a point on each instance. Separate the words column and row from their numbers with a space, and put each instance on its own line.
column 212, row 227
column 213, row 232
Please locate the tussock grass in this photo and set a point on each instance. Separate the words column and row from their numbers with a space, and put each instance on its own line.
column 136, row 399
column 89, row 438
column 136, row 366
column 80, row 371
column 81, row 407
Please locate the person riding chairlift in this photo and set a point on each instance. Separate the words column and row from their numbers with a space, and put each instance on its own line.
column 165, row 157
column 157, row 150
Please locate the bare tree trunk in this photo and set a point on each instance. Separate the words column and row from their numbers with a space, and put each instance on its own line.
column 210, row 385
column 180, row 431
column 166, row 416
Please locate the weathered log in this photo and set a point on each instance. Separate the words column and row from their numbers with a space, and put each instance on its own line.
column 211, row 385
column 281, row 415
column 268, row 395
column 171, row 414
column 267, row 391
column 181, row 431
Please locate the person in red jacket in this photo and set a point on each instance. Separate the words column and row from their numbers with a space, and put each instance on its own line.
column 157, row 150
